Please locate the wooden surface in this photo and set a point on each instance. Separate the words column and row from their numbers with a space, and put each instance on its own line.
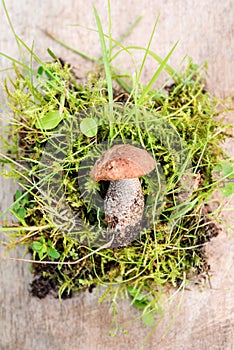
column 205, row 318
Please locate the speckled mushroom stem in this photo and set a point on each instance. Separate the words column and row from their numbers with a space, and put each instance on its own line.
column 124, row 206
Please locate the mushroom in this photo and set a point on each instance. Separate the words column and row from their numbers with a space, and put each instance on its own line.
column 122, row 165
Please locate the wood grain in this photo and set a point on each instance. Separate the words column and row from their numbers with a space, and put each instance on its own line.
column 205, row 318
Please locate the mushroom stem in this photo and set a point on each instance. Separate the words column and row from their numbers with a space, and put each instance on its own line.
column 124, row 206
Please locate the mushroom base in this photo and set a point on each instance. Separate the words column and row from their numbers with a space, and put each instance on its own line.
column 124, row 207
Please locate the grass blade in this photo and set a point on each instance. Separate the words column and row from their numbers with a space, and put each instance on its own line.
column 70, row 48
column 155, row 76
column 157, row 58
column 107, row 69
column 148, row 47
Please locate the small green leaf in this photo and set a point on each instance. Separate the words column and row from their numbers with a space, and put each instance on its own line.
column 148, row 318
column 44, row 248
column 21, row 213
column 88, row 127
column 140, row 304
column 16, row 207
column 226, row 170
column 139, row 300
column 49, row 121
column 24, row 201
column 228, row 190
column 52, row 54
column 49, row 243
column 40, row 70
column 53, row 253
column 40, row 254
column 134, row 292
column 18, row 194
column 37, row 246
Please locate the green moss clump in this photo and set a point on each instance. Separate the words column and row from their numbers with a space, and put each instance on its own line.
column 58, row 207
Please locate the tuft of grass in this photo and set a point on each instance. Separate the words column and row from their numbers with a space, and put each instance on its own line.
column 60, row 127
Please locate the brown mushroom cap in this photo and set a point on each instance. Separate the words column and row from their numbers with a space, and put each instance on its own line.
column 122, row 162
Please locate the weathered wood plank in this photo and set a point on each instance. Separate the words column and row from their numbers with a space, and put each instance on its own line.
column 205, row 319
